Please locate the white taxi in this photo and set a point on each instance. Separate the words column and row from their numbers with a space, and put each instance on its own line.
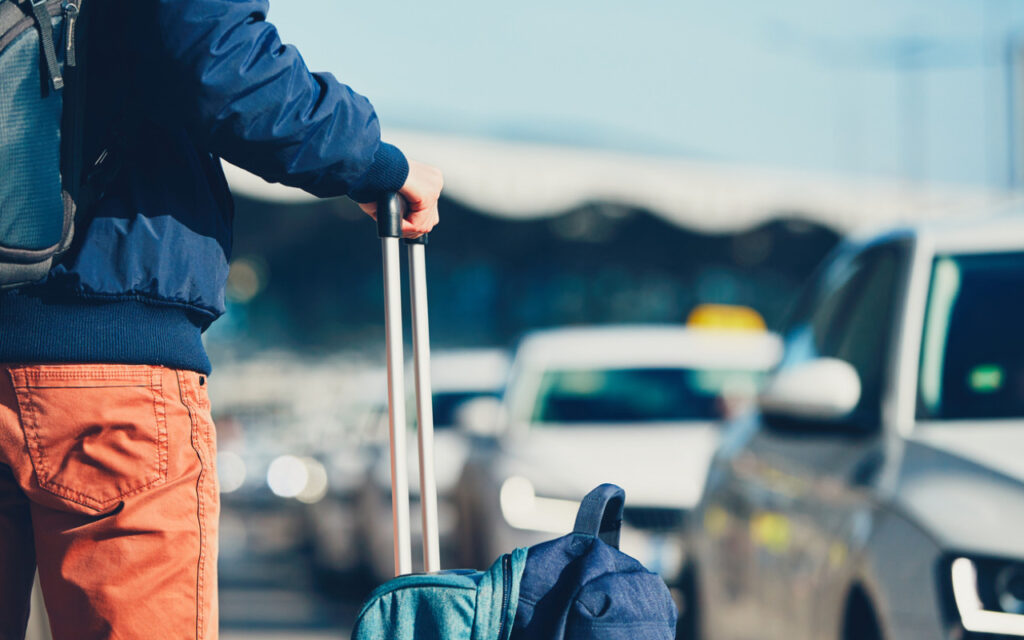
column 632, row 405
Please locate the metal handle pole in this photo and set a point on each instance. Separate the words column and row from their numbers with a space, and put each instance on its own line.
column 424, row 402
column 390, row 210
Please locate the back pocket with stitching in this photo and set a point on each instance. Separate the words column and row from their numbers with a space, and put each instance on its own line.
column 95, row 435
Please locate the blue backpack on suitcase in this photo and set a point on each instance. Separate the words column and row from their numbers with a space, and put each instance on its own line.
column 577, row 587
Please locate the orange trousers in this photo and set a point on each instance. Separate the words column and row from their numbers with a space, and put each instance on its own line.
column 108, row 484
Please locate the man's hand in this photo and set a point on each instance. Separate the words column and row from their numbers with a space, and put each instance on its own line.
column 421, row 190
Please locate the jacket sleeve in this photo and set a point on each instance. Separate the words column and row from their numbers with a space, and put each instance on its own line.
column 220, row 69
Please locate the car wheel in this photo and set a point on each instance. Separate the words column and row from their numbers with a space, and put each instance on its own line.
column 466, row 526
column 687, row 600
column 860, row 622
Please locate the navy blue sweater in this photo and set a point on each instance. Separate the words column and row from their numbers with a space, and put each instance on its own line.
column 174, row 85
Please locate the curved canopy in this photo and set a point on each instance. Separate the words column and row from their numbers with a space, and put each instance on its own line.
column 530, row 180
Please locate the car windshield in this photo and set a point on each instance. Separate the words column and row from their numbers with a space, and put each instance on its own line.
column 633, row 395
column 972, row 354
column 447, row 403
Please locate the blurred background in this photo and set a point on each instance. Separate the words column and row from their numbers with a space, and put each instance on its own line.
column 636, row 194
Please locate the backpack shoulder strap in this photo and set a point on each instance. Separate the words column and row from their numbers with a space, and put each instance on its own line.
column 42, row 15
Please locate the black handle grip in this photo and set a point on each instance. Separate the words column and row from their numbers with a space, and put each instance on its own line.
column 600, row 513
column 391, row 209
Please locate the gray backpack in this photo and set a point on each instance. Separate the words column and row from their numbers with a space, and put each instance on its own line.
column 40, row 151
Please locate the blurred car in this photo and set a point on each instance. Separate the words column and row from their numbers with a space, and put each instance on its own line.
column 878, row 493
column 332, row 522
column 274, row 415
column 633, row 405
column 459, row 377
column 259, row 471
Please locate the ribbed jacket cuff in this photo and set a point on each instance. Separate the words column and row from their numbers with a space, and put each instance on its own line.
column 387, row 173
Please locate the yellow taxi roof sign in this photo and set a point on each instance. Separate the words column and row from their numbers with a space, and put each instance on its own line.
column 724, row 316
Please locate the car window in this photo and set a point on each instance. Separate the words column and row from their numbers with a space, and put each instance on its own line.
column 850, row 318
column 633, row 395
column 972, row 354
column 829, row 320
column 813, row 330
column 825, row 279
column 447, row 403
column 864, row 338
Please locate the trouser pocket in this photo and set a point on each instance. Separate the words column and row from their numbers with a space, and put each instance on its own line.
column 95, row 434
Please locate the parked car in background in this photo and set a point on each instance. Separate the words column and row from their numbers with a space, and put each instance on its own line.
column 632, row 405
column 264, row 474
column 275, row 415
column 459, row 377
column 333, row 527
column 878, row 493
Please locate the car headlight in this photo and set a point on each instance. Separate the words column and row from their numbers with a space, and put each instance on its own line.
column 989, row 595
column 304, row 479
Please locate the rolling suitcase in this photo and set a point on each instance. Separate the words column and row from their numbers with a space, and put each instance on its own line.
column 462, row 604
column 577, row 587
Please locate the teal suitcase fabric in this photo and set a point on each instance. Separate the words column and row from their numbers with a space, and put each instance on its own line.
column 450, row 605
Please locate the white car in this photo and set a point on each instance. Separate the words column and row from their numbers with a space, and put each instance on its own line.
column 459, row 377
column 878, row 493
column 632, row 405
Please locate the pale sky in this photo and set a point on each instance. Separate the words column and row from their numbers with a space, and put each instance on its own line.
column 894, row 88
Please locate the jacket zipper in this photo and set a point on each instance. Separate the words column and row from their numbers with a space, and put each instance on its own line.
column 506, row 596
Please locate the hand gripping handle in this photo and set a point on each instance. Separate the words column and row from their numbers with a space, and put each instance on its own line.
column 600, row 513
column 391, row 209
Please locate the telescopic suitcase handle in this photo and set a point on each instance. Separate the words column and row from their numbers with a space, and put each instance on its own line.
column 391, row 209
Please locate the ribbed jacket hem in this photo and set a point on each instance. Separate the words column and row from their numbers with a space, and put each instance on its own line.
column 34, row 330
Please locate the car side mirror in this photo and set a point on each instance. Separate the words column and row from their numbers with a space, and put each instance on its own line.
column 482, row 417
column 825, row 389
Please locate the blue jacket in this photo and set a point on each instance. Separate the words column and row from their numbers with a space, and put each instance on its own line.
column 173, row 86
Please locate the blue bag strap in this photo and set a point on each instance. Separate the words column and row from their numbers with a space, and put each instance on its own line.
column 600, row 513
